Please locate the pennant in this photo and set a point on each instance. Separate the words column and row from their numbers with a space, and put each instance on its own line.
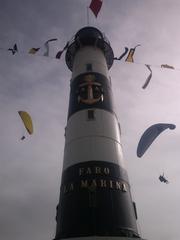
column 33, row 50
column 95, row 6
column 131, row 54
column 148, row 78
column 14, row 49
column 167, row 66
column 124, row 54
column 46, row 54
column 52, row 40
column 58, row 55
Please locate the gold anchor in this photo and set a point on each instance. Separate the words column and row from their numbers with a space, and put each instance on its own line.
column 91, row 86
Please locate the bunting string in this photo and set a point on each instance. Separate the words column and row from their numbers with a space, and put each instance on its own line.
column 33, row 51
column 130, row 57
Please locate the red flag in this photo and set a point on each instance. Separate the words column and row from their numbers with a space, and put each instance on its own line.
column 95, row 6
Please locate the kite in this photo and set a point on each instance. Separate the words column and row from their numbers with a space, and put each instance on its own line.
column 95, row 6
column 122, row 55
column 167, row 66
column 47, row 46
column 14, row 49
column 33, row 50
column 27, row 121
column 148, row 78
column 150, row 135
column 131, row 54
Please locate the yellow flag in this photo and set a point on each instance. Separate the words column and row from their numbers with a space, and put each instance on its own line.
column 130, row 55
column 33, row 50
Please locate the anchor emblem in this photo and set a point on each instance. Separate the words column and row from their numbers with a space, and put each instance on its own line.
column 90, row 92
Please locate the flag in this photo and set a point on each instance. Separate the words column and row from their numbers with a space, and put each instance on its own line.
column 46, row 53
column 58, row 55
column 14, row 49
column 122, row 55
column 33, row 50
column 131, row 54
column 95, row 6
column 167, row 66
column 148, row 78
column 52, row 39
column 47, row 46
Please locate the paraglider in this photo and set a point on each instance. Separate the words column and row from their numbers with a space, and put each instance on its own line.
column 27, row 121
column 150, row 135
column 163, row 179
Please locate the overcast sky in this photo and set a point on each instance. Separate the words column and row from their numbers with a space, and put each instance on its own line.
column 30, row 170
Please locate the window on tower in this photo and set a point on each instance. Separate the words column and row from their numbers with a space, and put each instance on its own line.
column 90, row 114
column 89, row 67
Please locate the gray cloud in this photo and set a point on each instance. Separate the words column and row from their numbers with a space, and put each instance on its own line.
column 30, row 171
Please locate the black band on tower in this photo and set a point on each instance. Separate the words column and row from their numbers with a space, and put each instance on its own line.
column 90, row 90
column 95, row 199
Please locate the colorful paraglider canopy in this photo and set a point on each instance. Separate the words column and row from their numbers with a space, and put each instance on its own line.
column 27, row 121
column 150, row 135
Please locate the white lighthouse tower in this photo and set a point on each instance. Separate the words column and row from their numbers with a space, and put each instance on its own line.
column 95, row 200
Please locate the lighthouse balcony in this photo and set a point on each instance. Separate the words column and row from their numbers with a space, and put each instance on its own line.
column 89, row 36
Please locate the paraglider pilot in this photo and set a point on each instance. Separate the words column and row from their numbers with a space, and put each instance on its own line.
column 163, row 179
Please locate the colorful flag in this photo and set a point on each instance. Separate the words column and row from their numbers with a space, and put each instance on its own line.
column 131, row 54
column 95, row 6
column 148, row 78
column 33, row 50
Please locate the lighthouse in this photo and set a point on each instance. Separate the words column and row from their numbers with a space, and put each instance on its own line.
column 95, row 199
